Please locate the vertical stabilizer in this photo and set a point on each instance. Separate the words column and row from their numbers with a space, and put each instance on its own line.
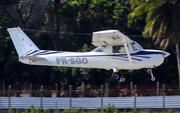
column 21, row 41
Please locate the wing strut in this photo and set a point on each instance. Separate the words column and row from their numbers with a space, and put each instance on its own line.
column 127, row 51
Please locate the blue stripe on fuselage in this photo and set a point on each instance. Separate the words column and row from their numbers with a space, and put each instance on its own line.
column 138, row 55
column 133, row 54
column 124, row 55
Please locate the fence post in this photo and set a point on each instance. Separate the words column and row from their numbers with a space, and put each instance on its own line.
column 101, row 96
column 135, row 96
column 56, row 86
column 163, row 95
column 131, row 87
column 3, row 89
column 41, row 96
column 60, row 89
column 70, row 94
column 106, row 89
column 82, row 89
column 157, row 89
column 30, row 89
column 9, row 95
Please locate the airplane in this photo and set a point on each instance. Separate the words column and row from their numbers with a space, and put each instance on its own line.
column 113, row 51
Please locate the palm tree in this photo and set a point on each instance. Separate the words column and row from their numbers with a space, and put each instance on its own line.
column 162, row 18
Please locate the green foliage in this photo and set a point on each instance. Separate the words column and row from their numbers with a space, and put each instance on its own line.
column 25, row 111
column 161, row 19
column 32, row 110
column 10, row 110
column 109, row 108
column 40, row 110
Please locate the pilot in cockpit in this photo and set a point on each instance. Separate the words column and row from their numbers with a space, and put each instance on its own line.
column 116, row 49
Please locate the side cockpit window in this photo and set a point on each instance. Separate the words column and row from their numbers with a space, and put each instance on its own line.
column 99, row 49
column 118, row 49
column 136, row 46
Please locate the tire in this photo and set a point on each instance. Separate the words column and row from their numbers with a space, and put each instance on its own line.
column 116, row 76
column 153, row 78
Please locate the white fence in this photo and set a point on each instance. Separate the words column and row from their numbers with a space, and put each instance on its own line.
column 94, row 102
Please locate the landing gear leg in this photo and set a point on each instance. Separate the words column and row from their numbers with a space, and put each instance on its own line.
column 116, row 76
column 149, row 71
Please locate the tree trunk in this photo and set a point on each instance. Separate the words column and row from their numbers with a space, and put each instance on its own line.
column 29, row 11
column 178, row 62
column 56, row 24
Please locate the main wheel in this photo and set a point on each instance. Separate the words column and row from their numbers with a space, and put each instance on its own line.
column 116, row 76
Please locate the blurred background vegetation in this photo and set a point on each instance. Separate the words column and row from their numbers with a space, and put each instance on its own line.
column 67, row 25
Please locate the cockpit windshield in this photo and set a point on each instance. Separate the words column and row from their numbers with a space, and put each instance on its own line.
column 99, row 49
column 136, row 46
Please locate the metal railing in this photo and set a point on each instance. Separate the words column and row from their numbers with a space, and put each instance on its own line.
column 91, row 102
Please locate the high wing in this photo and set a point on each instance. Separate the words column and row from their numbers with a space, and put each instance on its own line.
column 112, row 37
column 109, row 37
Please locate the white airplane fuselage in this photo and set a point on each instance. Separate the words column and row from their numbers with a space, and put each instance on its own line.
column 141, row 59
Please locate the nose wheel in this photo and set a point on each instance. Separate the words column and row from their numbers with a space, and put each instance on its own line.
column 149, row 71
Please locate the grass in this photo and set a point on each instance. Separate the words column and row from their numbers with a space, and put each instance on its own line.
column 108, row 109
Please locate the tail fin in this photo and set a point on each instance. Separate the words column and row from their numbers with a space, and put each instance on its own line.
column 22, row 42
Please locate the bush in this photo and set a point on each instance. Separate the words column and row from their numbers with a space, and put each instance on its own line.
column 108, row 109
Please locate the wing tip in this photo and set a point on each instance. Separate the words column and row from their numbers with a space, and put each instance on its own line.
column 106, row 31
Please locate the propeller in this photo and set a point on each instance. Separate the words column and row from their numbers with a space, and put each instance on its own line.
column 165, row 55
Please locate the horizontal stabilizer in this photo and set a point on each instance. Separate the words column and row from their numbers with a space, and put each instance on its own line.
column 32, row 57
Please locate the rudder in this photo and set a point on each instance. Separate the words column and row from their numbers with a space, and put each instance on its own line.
column 21, row 41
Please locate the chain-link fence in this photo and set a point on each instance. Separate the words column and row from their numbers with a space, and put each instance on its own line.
column 57, row 90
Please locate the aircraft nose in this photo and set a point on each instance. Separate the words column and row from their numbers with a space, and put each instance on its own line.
column 165, row 54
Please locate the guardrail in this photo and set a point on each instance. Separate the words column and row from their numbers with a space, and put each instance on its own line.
column 94, row 102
